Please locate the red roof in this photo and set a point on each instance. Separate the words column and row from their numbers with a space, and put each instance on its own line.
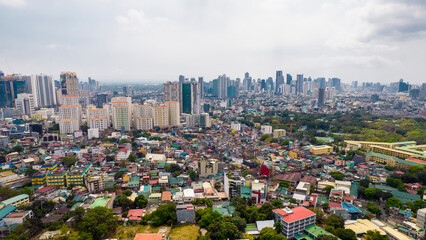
column 136, row 214
column 148, row 236
column 45, row 189
column 123, row 150
column 334, row 205
column 298, row 213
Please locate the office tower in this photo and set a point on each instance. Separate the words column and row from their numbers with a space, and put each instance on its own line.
column 335, row 82
column 299, row 84
column 128, row 90
column 142, row 118
column 247, row 82
column 422, row 93
column 289, row 79
column 121, row 108
column 191, row 101
column 321, row 82
column 43, row 88
column 10, row 87
column 402, row 86
column 321, row 93
column 25, row 104
column 174, row 113
column 222, row 86
column 69, row 115
column 270, row 84
column 101, row 99
column 279, row 80
column 181, row 79
column 98, row 118
column 354, row 84
column 69, row 84
column 201, row 86
column 93, row 85
column 160, row 116
column 172, row 91
column 205, row 120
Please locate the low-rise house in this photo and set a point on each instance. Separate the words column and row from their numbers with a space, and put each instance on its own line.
column 185, row 213
column 18, row 217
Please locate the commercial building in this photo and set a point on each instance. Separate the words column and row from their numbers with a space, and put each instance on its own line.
column 208, row 167
column 278, row 133
column 95, row 183
column 10, row 87
column 320, row 150
column 205, row 120
column 121, row 108
column 233, row 183
column 25, row 104
column 294, row 221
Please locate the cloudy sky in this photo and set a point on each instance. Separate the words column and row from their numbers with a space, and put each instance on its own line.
column 156, row 40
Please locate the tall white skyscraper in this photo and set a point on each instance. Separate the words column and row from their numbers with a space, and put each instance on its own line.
column 69, row 115
column 43, row 89
column 121, row 108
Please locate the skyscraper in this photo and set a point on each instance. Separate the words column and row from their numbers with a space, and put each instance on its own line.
column 279, row 81
column 161, row 116
column 128, row 90
column 121, row 108
column 142, row 117
column 69, row 84
column 336, row 83
column 172, row 91
column 299, row 84
column 174, row 113
column 289, row 79
column 11, row 86
column 69, row 115
column 321, row 93
column 222, row 86
column 101, row 99
column 201, row 86
column 181, row 79
column 43, row 89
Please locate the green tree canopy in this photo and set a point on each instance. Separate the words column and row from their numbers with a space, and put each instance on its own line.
column 98, row 222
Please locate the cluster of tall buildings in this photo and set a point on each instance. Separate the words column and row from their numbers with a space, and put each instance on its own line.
column 187, row 93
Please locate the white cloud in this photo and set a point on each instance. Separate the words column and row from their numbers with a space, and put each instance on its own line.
column 14, row 3
column 133, row 18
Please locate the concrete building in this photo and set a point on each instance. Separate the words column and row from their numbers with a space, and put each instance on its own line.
column 189, row 120
column 98, row 118
column 95, row 184
column 69, row 84
column 121, row 108
column 278, row 133
column 25, row 104
column 232, row 184
column 160, row 116
column 208, row 167
column 142, row 117
column 421, row 218
column 174, row 113
column 319, row 150
column 266, row 129
column 185, row 213
column 69, row 115
column 205, row 120
column 294, row 221
column 16, row 201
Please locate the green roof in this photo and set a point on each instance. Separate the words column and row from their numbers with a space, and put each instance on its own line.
column 134, row 180
column 403, row 196
column 99, row 202
column 15, row 199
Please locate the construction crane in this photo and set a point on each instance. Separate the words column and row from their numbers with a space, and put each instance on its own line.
column 291, row 127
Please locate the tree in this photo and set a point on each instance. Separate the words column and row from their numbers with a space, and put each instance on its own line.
column 345, row 234
column 98, row 222
column 393, row 202
column 365, row 183
column 229, row 231
column 140, row 202
column 370, row 193
column 192, row 175
column 320, row 215
column 284, row 184
column 30, row 171
column 326, row 237
column 335, row 221
column 127, row 192
column 207, row 217
column 165, row 214
column 337, row 175
column 278, row 227
column 240, row 223
column 374, row 209
column 268, row 233
column 266, row 209
column 264, row 137
column 132, row 157
column 124, row 202
column 69, row 160
column 277, row 203
column 328, row 189
column 375, row 235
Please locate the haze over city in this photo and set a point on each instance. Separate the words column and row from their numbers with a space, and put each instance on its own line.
column 155, row 41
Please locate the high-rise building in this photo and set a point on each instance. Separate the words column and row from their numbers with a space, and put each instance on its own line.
column 142, row 117
column 205, row 120
column 189, row 120
column 121, row 108
column 69, row 115
column 98, row 118
column 289, row 79
column 11, row 86
column 43, row 89
column 335, row 82
column 172, row 91
column 128, row 90
column 201, row 86
column 69, row 84
column 321, row 93
column 174, row 113
column 329, row 93
column 191, row 101
column 232, row 184
column 279, row 80
column 160, row 116
column 181, row 79
column 101, row 99
column 222, row 86
column 25, row 104
column 299, row 84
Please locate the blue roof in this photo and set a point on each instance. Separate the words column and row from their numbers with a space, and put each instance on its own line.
column 351, row 208
column 6, row 210
column 15, row 199
column 78, row 198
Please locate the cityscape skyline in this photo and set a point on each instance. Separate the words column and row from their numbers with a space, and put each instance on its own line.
column 373, row 41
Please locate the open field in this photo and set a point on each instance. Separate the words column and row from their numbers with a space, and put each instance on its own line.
column 185, row 232
column 129, row 231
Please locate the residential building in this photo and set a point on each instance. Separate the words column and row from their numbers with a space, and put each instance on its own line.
column 266, row 129
column 57, row 178
column 121, row 108
column 69, row 115
column 160, row 116
column 18, row 217
column 98, row 118
column 320, row 150
column 421, row 218
column 142, row 117
column 208, row 167
column 25, row 104
column 69, row 84
column 95, row 184
column 294, row 221
column 278, row 133
column 205, row 120
column 75, row 176
column 233, row 183
column 16, row 201
column 174, row 113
